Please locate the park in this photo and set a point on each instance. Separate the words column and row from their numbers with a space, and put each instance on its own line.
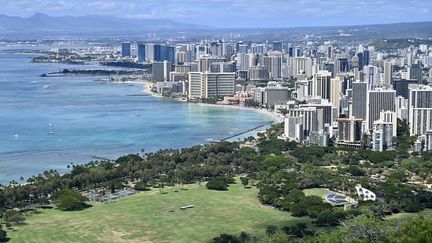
column 144, row 217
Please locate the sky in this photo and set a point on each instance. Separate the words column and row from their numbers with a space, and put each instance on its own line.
column 236, row 13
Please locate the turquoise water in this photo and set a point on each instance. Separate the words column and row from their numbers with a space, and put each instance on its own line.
column 89, row 119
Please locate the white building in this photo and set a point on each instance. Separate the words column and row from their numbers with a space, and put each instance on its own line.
column 382, row 136
column 420, row 109
column 210, row 85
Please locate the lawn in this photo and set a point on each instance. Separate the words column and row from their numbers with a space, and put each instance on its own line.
column 144, row 218
column 320, row 192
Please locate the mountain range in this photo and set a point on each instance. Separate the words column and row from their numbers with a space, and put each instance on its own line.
column 40, row 24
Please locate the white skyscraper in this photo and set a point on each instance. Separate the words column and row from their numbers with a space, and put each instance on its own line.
column 210, row 85
column 382, row 137
column 321, row 85
column 420, row 109
column 297, row 65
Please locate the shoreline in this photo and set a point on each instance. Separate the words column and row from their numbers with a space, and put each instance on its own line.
column 275, row 117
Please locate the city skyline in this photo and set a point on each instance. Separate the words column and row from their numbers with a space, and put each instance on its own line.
column 236, row 13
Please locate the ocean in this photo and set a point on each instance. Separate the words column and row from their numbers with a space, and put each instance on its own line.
column 50, row 122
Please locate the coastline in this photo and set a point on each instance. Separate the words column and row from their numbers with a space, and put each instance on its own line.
column 275, row 117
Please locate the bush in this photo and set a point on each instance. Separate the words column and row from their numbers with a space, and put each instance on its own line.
column 225, row 238
column 218, row 183
column 309, row 205
column 330, row 217
column 413, row 207
column 141, row 186
column 69, row 200
column 3, row 234
column 12, row 216
column 271, row 229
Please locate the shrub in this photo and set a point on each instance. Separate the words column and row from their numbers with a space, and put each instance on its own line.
column 3, row 234
column 12, row 216
column 141, row 186
column 413, row 207
column 218, row 183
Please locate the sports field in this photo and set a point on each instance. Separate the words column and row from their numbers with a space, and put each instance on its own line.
column 145, row 218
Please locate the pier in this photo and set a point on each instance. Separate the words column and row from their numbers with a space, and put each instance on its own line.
column 244, row 132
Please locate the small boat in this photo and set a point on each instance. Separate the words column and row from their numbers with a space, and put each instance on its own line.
column 50, row 125
column 46, row 86
column 137, row 115
column 51, row 133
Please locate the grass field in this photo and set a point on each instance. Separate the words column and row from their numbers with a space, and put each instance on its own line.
column 144, row 218
column 320, row 192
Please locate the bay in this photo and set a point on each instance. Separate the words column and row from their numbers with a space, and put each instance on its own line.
column 50, row 122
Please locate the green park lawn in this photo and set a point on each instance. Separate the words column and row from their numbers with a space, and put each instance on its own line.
column 144, row 218
column 320, row 192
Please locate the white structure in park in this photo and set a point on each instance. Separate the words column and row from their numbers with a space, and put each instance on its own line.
column 365, row 194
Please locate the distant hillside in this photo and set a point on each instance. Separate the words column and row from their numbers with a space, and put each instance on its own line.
column 395, row 44
column 42, row 24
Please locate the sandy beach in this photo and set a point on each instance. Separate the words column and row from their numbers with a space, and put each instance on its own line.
column 275, row 116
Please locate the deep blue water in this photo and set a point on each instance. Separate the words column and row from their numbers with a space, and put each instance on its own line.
column 93, row 119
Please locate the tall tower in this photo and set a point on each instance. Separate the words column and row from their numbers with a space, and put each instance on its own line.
column 379, row 100
column 388, row 71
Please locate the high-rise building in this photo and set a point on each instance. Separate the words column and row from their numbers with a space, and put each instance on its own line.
column 210, row 85
column 430, row 75
column 150, row 47
column 349, row 130
column 290, row 51
column 161, row 70
column 416, row 72
column 243, row 48
column 322, row 85
column 205, row 61
column 126, row 49
column 420, row 109
column 327, row 111
column 277, row 46
column 370, row 73
column 276, row 96
column 428, row 141
column 309, row 116
column 388, row 72
column 223, row 67
column 390, row 117
column 157, row 56
column 335, row 93
column 359, row 59
column 300, row 65
column 293, row 129
column 382, row 137
column 379, row 100
column 359, row 100
column 402, row 108
column 258, row 73
column 341, row 65
column 273, row 62
column 401, row 87
column 141, row 52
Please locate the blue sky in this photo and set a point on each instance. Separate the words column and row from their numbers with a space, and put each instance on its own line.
column 236, row 13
